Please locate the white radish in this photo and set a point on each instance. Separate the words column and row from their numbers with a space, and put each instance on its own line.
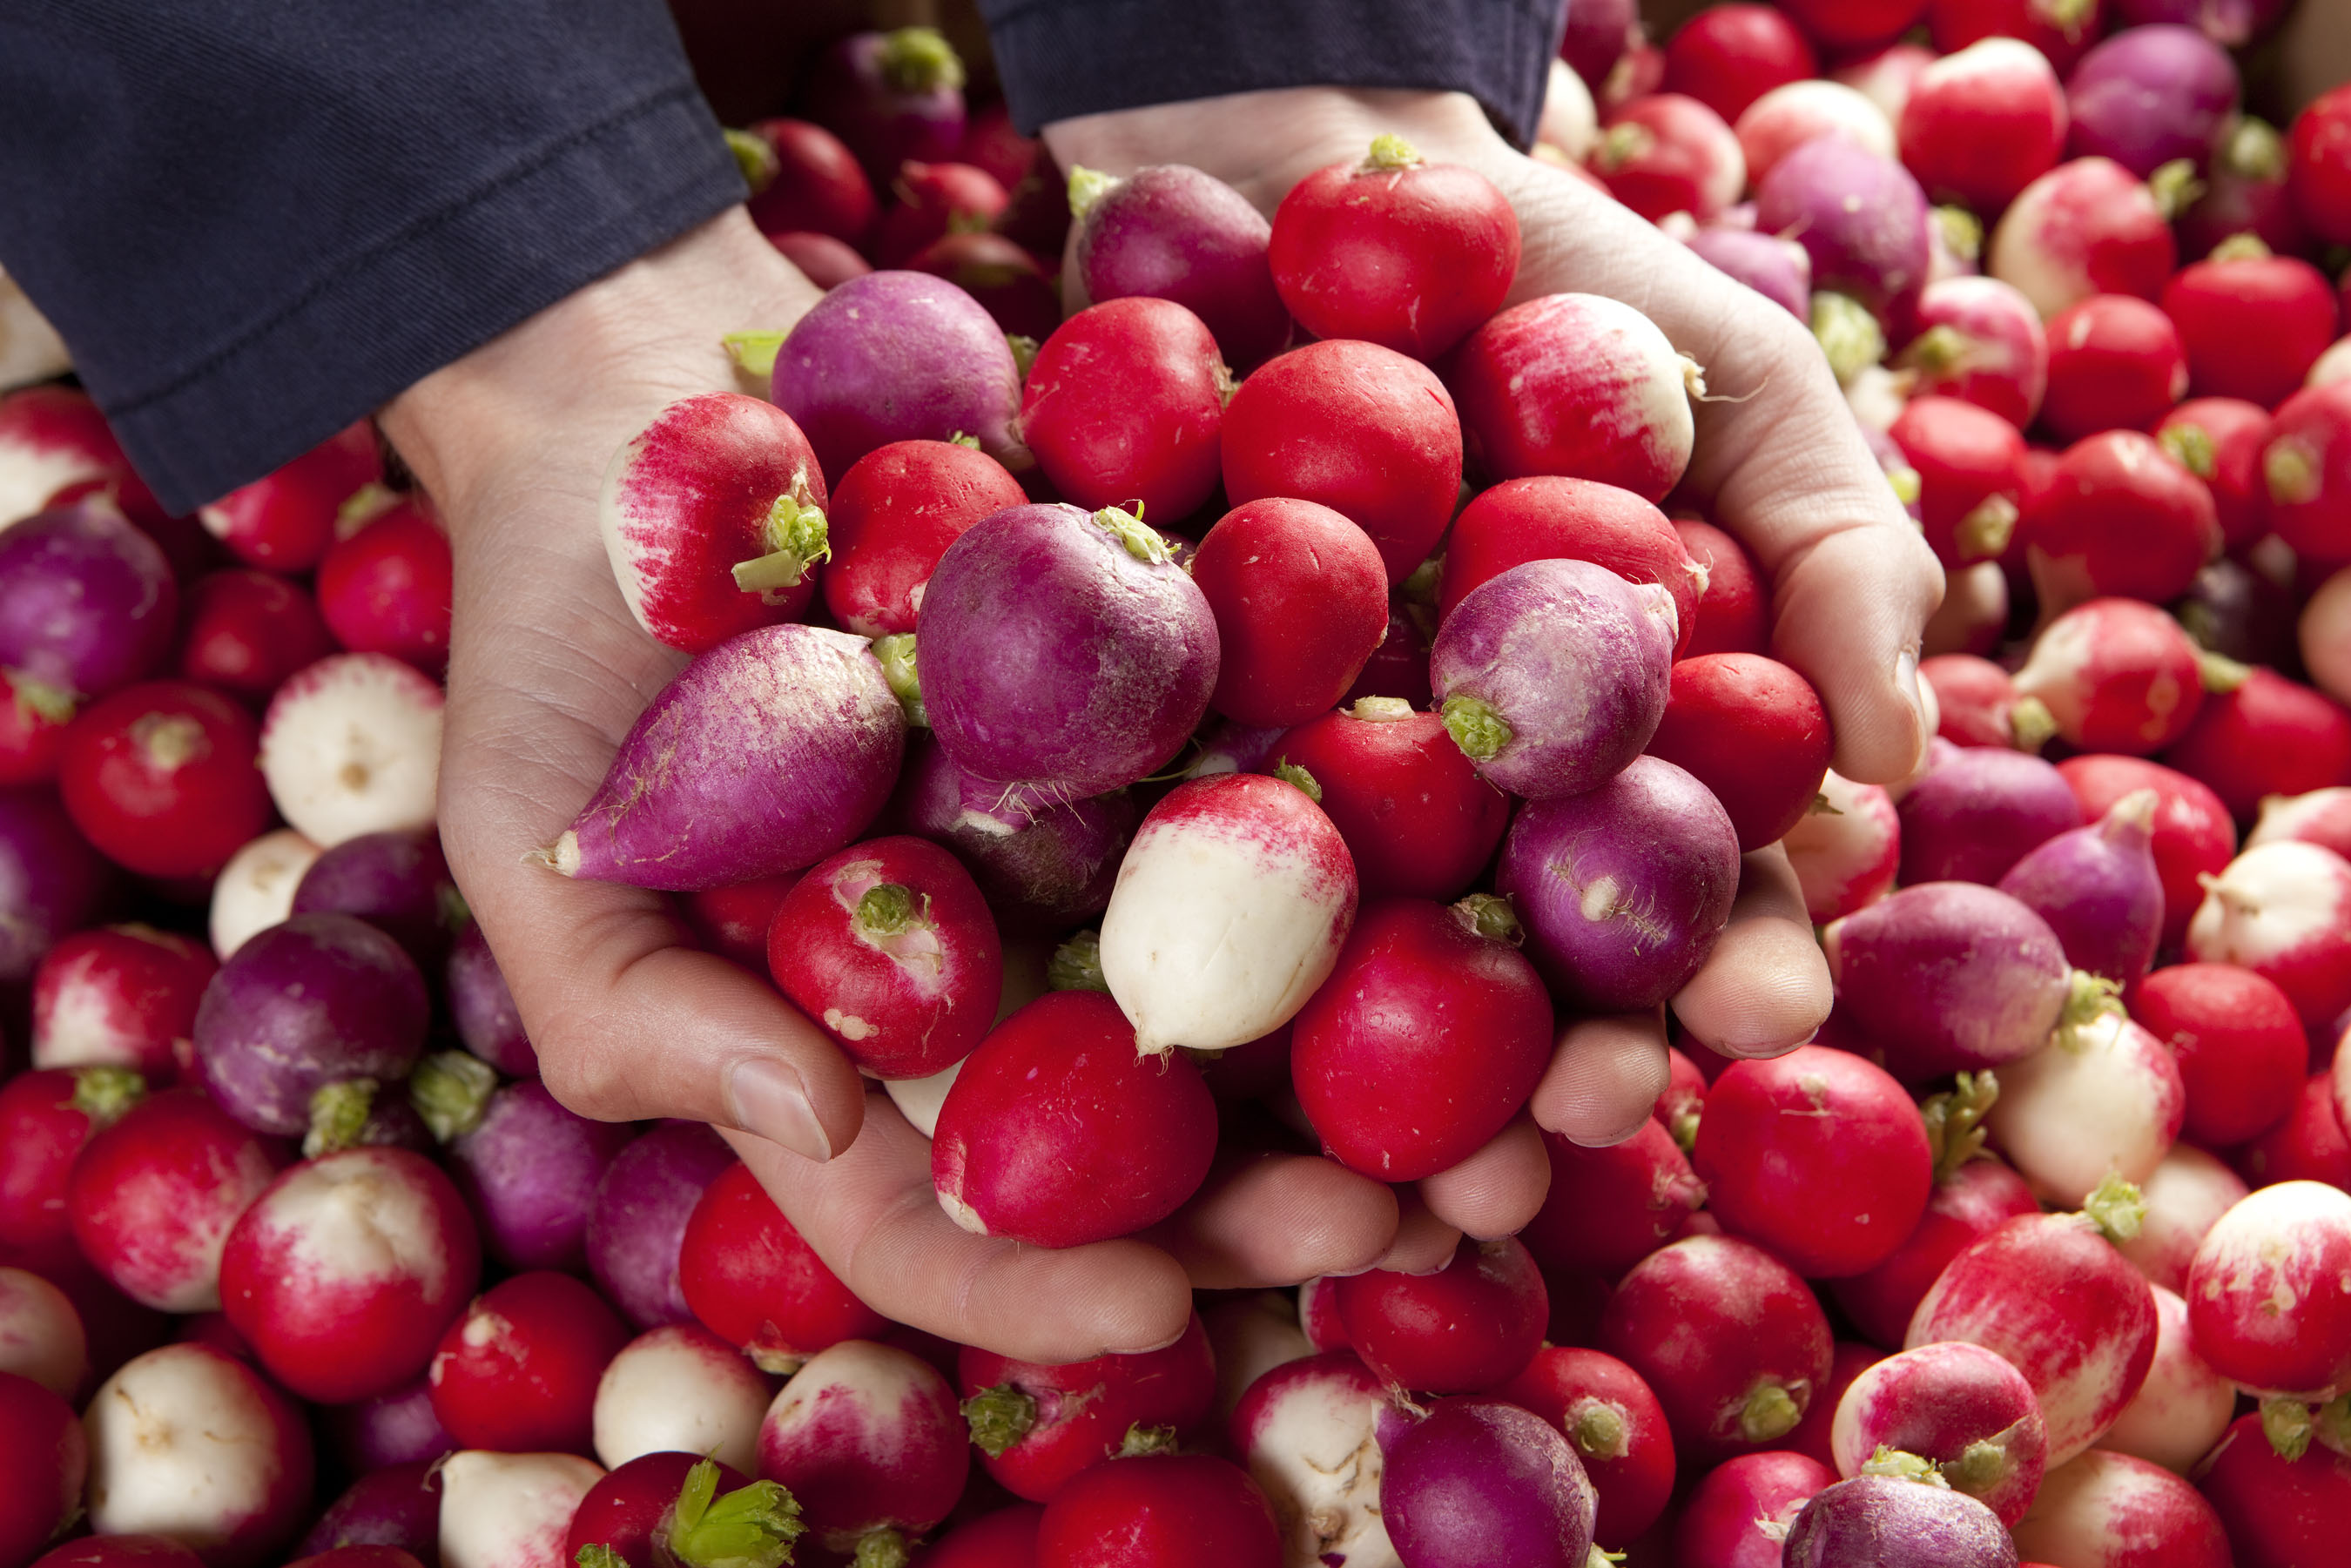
column 510, row 1511
column 2283, row 911
column 1310, row 1433
column 351, row 744
column 2322, row 817
column 680, row 1388
column 255, row 890
column 1251, row 1335
column 189, row 1442
column 919, row 1099
column 2183, row 1407
column 871, row 1441
column 2186, row 1194
column 1845, row 853
column 2102, row 1098
column 41, row 1335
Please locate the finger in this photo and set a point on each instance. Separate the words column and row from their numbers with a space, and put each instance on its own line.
column 1495, row 1191
column 1424, row 1241
column 1605, row 1074
column 873, row 1217
column 1848, row 615
column 1764, row 990
column 1271, row 1218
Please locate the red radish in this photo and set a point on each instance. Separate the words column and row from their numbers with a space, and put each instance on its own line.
column 1003, row 277
column 1846, row 850
column 1677, row 1110
column 2110, row 1511
column 1851, row 24
column 248, row 631
column 1793, row 113
column 2087, row 226
column 1309, row 1432
column 1754, row 732
column 2251, row 323
column 894, row 514
column 386, row 588
column 1858, row 213
column 351, row 744
column 1415, row 818
column 731, row 920
column 2238, row 1043
column 2115, row 675
column 1159, row 1510
column 815, row 182
column 1472, row 1325
column 1979, row 810
column 2192, row 835
column 160, row 779
column 41, row 1337
column 2220, row 440
column 890, row 96
column 638, row 1223
column 1969, row 1203
column 1124, row 405
column 1301, row 603
column 510, row 1511
column 1004, row 1539
column 2320, row 175
column 1547, row 516
column 1981, row 124
column 1357, row 428
column 121, row 996
column 46, row 1461
column 1037, row 1426
column 2115, row 363
column 2184, row 1195
column 87, row 604
column 2309, row 1145
column 2266, row 735
column 1727, row 57
column 679, row 1388
column 33, row 719
column 1173, row 233
column 1398, row 667
column 1479, row 1479
column 1739, row 1515
column 1975, row 703
column 190, row 1443
column 1890, row 1520
column 2098, row 889
column 2183, row 1407
column 2048, row 1294
column 1615, row 1425
column 2278, row 1512
column 1599, row 38
column 1981, row 342
column 2306, row 471
column 255, row 890
column 1727, row 1336
column 2283, row 911
column 868, row 1437
column 154, row 1194
column 2269, row 1296
column 1818, row 1155
column 933, row 200
column 755, row 1283
column 1779, row 269
column 1610, row 1207
column 1395, row 250
column 827, row 262
column 1578, row 385
column 2059, row 31
column 1231, row 907
column 1967, row 459
column 676, row 1508
column 1664, row 153
column 1045, row 876
column 1956, row 1412
column 518, row 1371
column 1130, row 1139
column 120, row 1552
column 285, row 520
column 52, row 437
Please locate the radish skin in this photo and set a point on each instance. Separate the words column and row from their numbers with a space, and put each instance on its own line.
column 1958, row 1406
column 680, row 1388
column 2110, row 1511
column 2269, row 1296
column 1846, row 850
column 352, row 745
column 1309, row 1432
column 1888, row 1521
column 41, row 1337
column 2283, row 911
column 868, row 1438
column 2184, row 1405
column 2185, row 1195
column 510, row 1511
column 255, row 890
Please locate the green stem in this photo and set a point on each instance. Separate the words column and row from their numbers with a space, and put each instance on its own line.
column 1954, row 1121
column 1770, row 1413
column 1088, row 186
column 1491, row 915
column 338, row 1115
column 2088, row 999
column 753, row 1526
column 920, row 59
column 1076, row 965
column 1141, row 540
column 754, row 353
column 897, row 654
column 1476, row 728
column 2115, row 1207
column 1389, row 153
column 1847, row 333
column 755, row 157
column 2286, row 1424
column 1289, row 772
column 999, row 1417
column 795, row 539
column 450, row 1090
column 883, row 1548
column 104, row 1093
column 1143, row 1442
column 888, row 909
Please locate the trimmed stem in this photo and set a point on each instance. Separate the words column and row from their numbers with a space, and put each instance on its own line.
column 882, row 1548
column 795, row 539
column 2219, row 673
column 2246, row 246
column 1088, row 186
column 38, row 698
column 2290, row 471
column 999, row 1417
column 1076, row 965
column 1599, row 1430
column 2175, row 188
column 450, row 1090
column 2115, row 1207
column 338, row 1115
column 1770, row 1413
column 754, row 353
column 104, row 1093
column 888, row 909
column 1024, row 354
column 2088, row 999
column 897, row 654
column 1906, row 1467
column 1489, row 914
column 2286, row 1424
column 1476, row 728
column 753, row 1526
column 1141, row 540
column 1390, row 154
column 1963, row 233
column 1380, row 710
column 1847, row 333
column 1939, row 349
column 2190, row 446
column 755, row 157
column 2030, row 723
column 1983, row 534
column 920, row 59
column 1143, row 1441
column 1979, row 1467
column 1289, row 772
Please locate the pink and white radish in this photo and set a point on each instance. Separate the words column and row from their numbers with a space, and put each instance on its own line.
column 1610, row 1206
column 2269, row 1295
column 1173, row 233
column 676, row 1508
column 529, row 1168
column 1472, row 1324
column 47, row 1116
column 1846, row 850
column 1860, row 215
column 1970, row 1202
column 868, row 1438
column 2087, row 226
column 1793, row 113
column 1415, row 818
column 41, row 1337
column 352, row 745
column 2283, row 911
column 752, row 1279
column 638, row 1223
column 679, row 1388
column 1310, row 1434
column 2114, row 676
column 1959, row 1411
column 1036, row 1425
column 1616, row 1427
column 255, row 890
column 1984, row 122
column 2149, row 96
column 1892, row 1521
column 1975, row 700
column 1230, row 908
column 285, row 520
column 510, row 1511
column 1739, row 1515
column 1665, row 153
column 2106, row 1510
column 1977, row 812
column 1481, row 1479
column 121, row 996
column 52, row 436
column 2185, row 1194
column 1981, row 342
column 153, row 1198
column 517, row 1373
column 2184, row 1405
column 2321, row 817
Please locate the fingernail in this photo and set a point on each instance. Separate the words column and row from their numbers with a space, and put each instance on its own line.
column 770, row 1099
column 1905, row 679
column 1163, row 1344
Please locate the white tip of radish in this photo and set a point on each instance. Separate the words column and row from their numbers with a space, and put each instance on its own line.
column 2107, row 1100
column 561, row 857
column 680, row 1389
column 40, row 1333
column 2277, row 899
column 1311, row 1440
column 962, row 1213
column 510, row 1511
column 2324, row 633
column 919, row 1100
column 2184, row 1405
column 255, row 890
column 1569, row 121
column 2334, row 365
column 355, row 1218
column 352, row 746
column 184, row 1442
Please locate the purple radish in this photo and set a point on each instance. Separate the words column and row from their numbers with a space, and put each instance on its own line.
column 637, row 1223
column 890, row 96
column 397, row 883
column 529, row 1168
column 1623, row 891
column 1554, row 675
column 399, row 1505
column 2150, row 95
column 319, row 1000
column 680, row 1389
column 1885, row 1521
column 483, row 1008
column 1062, row 654
column 1309, row 1432
column 1860, row 216
column 86, row 602
column 1951, row 1409
column 871, row 1440
column 1047, row 875
column 2105, row 1100
column 50, row 880
column 1173, row 232
column 764, row 756
column 1232, row 748
column 2098, row 889
column 1979, row 810
column 1481, row 1482
column 899, row 356
column 1779, row 269
column 2226, row 22
column 395, row 1429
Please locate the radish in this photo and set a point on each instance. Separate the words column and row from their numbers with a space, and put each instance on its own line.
column 753, row 1282
column 351, row 744
column 1984, row 122
column 676, row 1507
column 529, row 1168
column 2228, row 22
column 1230, row 908
column 1395, row 250
column 1479, row 1479
column 2321, row 817
column 1728, row 56
column 2238, row 1043
column 1978, row 811
column 1414, row 816
column 810, row 179
column 1309, row 1432
column 2185, row 1194
column 1548, row 516
column 398, row 883
column 1616, row 1427
column 2252, row 324
column 764, row 755
column 2087, row 226
column 1776, row 269
column 120, row 996
column 1300, row 601
column 397, row 1506
column 88, row 604
column 187, row 1442
column 1739, row 1514
column 2049, row 1295
column 41, row 1337
column 1860, row 215
column 1598, row 39
column 1398, row 667
column 1726, row 1335
column 638, row 1222
column 52, row 437
column 483, row 1009
column 1129, row 1138
column 1570, row 124
column 396, row 1429
column 893, row 514
column 2269, row 1296
column 1855, row 343
column 2320, row 172
column 1037, row 1426
column 1784, row 119
column 2183, row 1407
column 153, row 1196
column 1754, row 732
column 868, row 1437
column 1623, row 891
column 2097, row 888
column 159, row 779
column 933, row 200
column 285, row 520
column 2191, row 835
column 1892, row 1522
column 255, row 890
column 1846, row 850
column 1171, row 232
column 1105, row 666
column 2245, row 191
column 890, row 96
column 2324, row 638
column 2149, row 96
column 2309, row 1145
column 2264, row 736
column 1249, row 1334
column 731, row 920
column 1047, row 875
column 1677, row 1109
column 1663, row 153
column 829, row 263
column 2232, row 611
column 2220, row 440
column 1967, row 459
column 1818, row 1155
column 1576, row 384
column 1953, row 1413
column 1853, row 24
column 120, row 1552
column 1159, row 1510
column 1973, row 616
column 2110, row 1511
column 2278, row 1512
column 386, row 588
column 518, row 1371
column 47, row 1460
column 679, row 1387
column 2115, row 363
column 1981, row 342
column 2306, row 471
column 1975, row 703
column 510, row 1511
column 33, row 719
column 1122, row 406
column 1609, row 1208
column 1004, row 1539
column 2279, row 910
column 1473, row 1324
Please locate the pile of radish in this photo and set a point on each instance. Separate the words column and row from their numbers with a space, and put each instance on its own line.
column 1262, row 708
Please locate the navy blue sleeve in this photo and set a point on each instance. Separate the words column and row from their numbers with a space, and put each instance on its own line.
column 1060, row 58
column 254, row 221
